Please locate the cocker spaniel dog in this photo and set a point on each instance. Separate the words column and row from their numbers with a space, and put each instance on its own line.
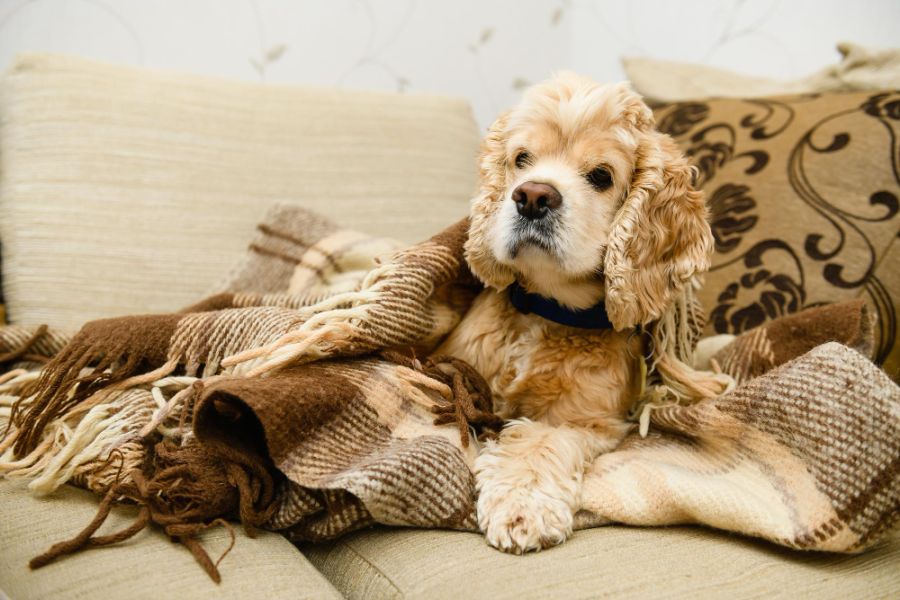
column 588, row 237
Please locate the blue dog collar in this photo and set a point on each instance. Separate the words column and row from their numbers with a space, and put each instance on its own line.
column 594, row 317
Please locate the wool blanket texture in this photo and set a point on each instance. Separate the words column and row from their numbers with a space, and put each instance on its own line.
column 301, row 398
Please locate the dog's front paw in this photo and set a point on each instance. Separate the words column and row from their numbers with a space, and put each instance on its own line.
column 522, row 520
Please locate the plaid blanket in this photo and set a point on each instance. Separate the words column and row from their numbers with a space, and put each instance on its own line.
column 301, row 398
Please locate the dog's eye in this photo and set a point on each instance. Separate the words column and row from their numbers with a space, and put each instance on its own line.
column 523, row 159
column 600, row 178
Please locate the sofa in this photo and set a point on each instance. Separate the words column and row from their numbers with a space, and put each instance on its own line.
column 131, row 191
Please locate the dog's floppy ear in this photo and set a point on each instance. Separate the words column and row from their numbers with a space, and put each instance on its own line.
column 492, row 183
column 660, row 238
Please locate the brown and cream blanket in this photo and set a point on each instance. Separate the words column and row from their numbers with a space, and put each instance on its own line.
column 302, row 399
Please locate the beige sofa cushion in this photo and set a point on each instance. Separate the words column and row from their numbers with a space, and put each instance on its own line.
column 125, row 190
column 860, row 68
column 609, row 562
column 146, row 566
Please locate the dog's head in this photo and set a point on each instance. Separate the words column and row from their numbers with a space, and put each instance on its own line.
column 581, row 198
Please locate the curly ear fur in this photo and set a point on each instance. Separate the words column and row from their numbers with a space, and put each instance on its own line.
column 492, row 175
column 660, row 238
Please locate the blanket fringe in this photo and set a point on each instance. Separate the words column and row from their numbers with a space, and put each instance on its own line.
column 363, row 321
column 467, row 399
column 105, row 356
column 185, row 493
column 183, row 534
column 673, row 339
column 72, row 446
column 86, row 539
column 63, row 390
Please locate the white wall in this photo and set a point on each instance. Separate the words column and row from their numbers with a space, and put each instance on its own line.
column 773, row 38
column 483, row 50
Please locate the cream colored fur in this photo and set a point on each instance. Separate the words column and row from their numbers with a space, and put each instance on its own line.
column 638, row 243
column 569, row 392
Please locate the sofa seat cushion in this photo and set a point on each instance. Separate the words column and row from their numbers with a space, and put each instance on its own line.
column 615, row 562
column 129, row 191
column 146, row 566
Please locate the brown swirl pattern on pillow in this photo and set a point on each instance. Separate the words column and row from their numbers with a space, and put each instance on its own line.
column 803, row 194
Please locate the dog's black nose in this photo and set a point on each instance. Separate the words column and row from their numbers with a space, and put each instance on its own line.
column 534, row 200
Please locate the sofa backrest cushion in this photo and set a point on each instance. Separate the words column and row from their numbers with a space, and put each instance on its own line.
column 124, row 190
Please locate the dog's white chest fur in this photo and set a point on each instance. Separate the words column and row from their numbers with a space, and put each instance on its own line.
column 542, row 370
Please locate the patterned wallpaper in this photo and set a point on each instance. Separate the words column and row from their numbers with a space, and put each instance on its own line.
column 484, row 50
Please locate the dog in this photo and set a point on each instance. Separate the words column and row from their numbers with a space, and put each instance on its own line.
column 586, row 231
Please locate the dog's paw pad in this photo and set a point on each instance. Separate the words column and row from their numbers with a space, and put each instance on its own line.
column 520, row 521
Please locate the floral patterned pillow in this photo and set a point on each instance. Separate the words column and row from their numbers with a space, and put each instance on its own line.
column 803, row 194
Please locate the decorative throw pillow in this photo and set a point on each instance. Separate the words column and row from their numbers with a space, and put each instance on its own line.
column 803, row 193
